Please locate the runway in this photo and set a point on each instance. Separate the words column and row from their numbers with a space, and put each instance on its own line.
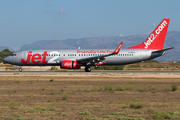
column 86, row 73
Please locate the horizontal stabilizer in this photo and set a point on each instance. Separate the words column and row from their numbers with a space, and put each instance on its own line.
column 163, row 50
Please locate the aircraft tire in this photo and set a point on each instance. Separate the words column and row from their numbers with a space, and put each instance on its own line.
column 87, row 69
column 20, row 69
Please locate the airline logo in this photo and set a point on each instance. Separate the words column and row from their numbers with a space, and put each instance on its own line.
column 36, row 58
column 153, row 36
column 67, row 64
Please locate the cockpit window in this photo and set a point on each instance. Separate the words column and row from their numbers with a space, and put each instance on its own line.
column 13, row 54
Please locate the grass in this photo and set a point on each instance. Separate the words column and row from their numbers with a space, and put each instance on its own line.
column 124, row 88
column 31, row 82
column 45, row 100
column 37, row 111
column 54, row 68
column 62, row 90
column 64, row 97
column 108, row 116
column 174, row 87
column 64, row 114
column 16, row 73
column 136, row 105
column 118, row 113
column 160, row 115
column 91, row 118
column 42, row 88
column 52, row 92
column 13, row 105
column 84, row 113
column 139, row 112
column 98, row 88
column 108, row 87
column 17, row 81
column 79, row 88
column 51, row 107
column 119, row 102
column 129, row 118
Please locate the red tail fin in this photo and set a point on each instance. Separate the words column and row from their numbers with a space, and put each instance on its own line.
column 156, row 38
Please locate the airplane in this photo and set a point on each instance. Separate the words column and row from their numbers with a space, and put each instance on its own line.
column 151, row 48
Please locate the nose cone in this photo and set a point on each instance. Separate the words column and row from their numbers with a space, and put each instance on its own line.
column 6, row 59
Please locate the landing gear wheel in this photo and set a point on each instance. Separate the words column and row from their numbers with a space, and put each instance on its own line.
column 20, row 69
column 87, row 69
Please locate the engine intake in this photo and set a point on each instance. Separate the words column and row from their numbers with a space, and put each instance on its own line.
column 69, row 64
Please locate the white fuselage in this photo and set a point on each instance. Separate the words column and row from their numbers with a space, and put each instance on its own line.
column 55, row 57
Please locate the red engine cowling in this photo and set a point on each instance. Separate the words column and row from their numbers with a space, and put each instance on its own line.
column 69, row 64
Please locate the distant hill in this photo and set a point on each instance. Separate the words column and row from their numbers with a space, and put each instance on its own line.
column 172, row 40
column 4, row 47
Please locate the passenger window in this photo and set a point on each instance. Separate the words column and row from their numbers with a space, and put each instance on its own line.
column 70, row 54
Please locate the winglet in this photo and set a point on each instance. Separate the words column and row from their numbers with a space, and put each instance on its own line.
column 118, row 48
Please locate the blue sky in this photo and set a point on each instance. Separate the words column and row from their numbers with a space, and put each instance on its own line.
column 27, row 21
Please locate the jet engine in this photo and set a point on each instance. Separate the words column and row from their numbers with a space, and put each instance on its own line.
column 69, row 64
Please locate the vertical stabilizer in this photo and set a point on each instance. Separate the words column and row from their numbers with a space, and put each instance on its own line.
column 156, row 38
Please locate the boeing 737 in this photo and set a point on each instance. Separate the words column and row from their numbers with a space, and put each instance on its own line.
column 151, row 48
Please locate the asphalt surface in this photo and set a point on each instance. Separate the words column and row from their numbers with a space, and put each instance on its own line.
column 92, row 72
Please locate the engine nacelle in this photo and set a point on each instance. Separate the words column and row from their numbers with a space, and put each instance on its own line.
column 69, row 64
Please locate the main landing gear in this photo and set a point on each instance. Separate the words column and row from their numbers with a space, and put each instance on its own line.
column 20, row 69
column 87, row 69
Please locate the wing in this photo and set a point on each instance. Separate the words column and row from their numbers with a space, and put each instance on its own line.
column 98, row 60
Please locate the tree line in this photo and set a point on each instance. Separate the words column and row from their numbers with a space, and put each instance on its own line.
column 4, row 53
